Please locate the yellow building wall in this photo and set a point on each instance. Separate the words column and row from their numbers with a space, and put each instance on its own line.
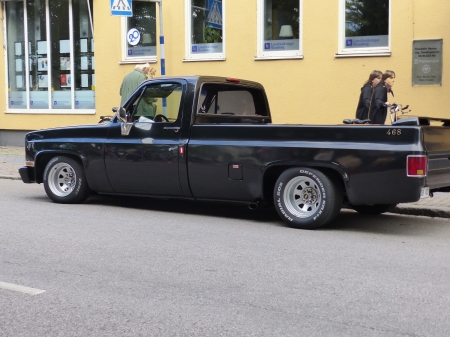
column 319, row 89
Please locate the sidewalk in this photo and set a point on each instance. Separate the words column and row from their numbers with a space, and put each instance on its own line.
column 11, row 158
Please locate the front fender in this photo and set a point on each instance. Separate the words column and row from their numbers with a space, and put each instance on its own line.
column 43, row 157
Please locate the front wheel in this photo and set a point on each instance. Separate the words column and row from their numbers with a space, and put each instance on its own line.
column 374, row 209
column 306, row 198
column 65, row 181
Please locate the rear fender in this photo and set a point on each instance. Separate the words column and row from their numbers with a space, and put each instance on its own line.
column 274, row 170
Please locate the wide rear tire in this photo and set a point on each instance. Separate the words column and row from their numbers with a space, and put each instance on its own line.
column 65, row 181
column 307, row 198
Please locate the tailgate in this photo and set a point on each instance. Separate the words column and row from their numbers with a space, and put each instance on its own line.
column 437, row 145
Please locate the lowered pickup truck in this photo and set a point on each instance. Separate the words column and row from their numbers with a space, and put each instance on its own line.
column 211, row 138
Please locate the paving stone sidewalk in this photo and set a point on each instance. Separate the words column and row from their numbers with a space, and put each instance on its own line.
column 13, row 157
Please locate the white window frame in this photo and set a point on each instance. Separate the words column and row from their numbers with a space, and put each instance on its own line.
column 50, row 110
column 189, row 56
column 351, row 52
column 125, row 58
column 276, row 55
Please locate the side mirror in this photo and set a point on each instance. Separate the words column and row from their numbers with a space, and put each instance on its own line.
column 122, row 115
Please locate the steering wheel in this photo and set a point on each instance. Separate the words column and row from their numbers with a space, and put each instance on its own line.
column 160, row 118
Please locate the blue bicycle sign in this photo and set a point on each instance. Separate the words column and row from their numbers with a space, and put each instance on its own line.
column 133, row 36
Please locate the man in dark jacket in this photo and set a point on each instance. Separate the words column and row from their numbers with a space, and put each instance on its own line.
column 132, row 80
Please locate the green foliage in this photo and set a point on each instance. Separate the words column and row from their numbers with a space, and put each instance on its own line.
column 367, row 17
column 212, row 35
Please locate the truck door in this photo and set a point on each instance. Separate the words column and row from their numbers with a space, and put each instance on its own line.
column 226, row 150
column 141, row 156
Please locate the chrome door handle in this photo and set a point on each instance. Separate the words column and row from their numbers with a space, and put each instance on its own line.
column 174, row 128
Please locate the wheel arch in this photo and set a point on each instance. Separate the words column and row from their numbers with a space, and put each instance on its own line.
column 272, row 173
column 43, row 158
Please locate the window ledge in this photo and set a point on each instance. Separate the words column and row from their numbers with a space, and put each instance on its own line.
column 205, row 59
column 268, row 58
column 381, row 54
column 137, row 61
column 52, row 111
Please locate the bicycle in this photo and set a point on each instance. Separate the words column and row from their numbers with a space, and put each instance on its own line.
column 394, row 109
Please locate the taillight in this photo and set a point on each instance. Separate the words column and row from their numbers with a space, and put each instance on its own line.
column 416, row 166
column 234, row 80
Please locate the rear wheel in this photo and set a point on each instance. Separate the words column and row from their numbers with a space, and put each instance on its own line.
column 374, row 209
column 65, row 181
column 306, row 198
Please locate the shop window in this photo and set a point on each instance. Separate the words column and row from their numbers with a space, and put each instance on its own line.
column 279, row 29
column 50, row 56
column 205, row 34
column 364, row 26
column 139, row 33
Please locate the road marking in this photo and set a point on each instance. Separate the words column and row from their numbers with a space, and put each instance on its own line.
column 22, row 289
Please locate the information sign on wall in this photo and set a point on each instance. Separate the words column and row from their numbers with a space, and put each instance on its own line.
column 427, row 62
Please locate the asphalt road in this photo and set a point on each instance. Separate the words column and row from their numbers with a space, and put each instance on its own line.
column 143, row 267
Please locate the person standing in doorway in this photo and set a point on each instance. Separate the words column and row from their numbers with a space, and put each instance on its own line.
column 132, row 80
column 365, row 98
column 380, row 103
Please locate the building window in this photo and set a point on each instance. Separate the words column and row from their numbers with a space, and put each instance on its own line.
column 139, row 33
column 364, row 26
column 205, row 34
column 50, row 56
column 279, row 29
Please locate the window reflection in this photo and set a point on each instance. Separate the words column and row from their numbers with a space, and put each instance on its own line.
column 144, row 20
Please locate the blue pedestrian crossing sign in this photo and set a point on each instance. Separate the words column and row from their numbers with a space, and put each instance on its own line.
column 121, row 8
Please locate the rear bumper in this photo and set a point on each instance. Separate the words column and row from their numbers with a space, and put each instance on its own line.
column 27, row 174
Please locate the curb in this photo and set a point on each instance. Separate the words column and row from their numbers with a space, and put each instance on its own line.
column 430, row 211
column 10, row 177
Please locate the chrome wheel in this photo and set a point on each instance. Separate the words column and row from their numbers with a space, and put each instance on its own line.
column 62, row 179
column 302, row 196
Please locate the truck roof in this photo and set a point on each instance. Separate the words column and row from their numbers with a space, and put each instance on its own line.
column 208, row 78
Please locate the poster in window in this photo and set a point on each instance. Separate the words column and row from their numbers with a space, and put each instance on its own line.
column 41, row 47
column 64, row 46
column 83, row 45
column 19, row 81
column 64, row 63
column 19, row 65
column 65, row 80
column 84, row 80
column 84, row 63
column 18, row 48
column 42, row 81
column 42, row 64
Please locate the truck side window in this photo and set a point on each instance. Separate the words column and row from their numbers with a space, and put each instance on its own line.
column 149, row 105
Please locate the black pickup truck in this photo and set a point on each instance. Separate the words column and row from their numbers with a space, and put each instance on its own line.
column 211, row 138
